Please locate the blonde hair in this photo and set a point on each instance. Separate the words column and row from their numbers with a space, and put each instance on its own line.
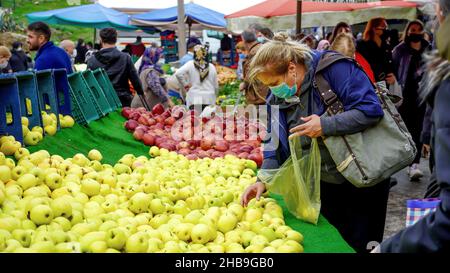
column 343, row 43
column 4, row 52
column 278, row 53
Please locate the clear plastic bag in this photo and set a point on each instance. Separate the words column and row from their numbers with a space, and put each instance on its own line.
column 298, row 181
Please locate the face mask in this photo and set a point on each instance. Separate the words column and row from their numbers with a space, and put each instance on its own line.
column 261, row 40
column 414, row 37
column 3, row 65
column 242, row 56
column 385, row 35
column 74, row 54
column 283, row 90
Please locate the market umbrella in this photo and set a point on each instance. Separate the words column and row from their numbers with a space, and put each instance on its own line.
column 196, row 16
column 281, row 14
column 94, row 15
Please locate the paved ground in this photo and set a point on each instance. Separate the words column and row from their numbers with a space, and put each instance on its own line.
column 404, row 190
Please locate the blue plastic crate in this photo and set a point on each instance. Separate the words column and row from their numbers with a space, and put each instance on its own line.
column 62, row 91
column 29, row 101
column 47, row 93
column 9, row 102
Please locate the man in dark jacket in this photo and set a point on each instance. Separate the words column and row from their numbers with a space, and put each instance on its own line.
column 19, row 60
column 48, row 55
column 432, row 233
column 81, row 52
column 117, row 65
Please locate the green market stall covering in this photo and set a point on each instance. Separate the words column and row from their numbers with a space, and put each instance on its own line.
column 109, row 137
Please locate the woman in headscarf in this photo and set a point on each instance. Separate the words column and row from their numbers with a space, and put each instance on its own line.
column 199, row 78
column 152, row 82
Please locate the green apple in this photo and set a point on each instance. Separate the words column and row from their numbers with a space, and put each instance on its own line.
column 90, row 238
column 215, row 248
column 90, row 187
column 154, row 245
column 110, row 180
column 11, row 245
column 59, row 236
column 61, row 207
column 254, row 248
column 172, row 247
column 227, row 222
column 157, row 206
column 28, row 224
column 294, row 235
column 154, row 151
column 140, row 203
column 71, row 247
column 251, row 165
column 9, row 223
column 193, row 217
column 23, row 236
column 269, row 233
column 252, row 215
column 269, row 249
column 109, row 206
column 80, row 160
column 233, row 236
column 116, row 238
column 41, row 215
column 137, row 243
column 21, row 153
column 5, row 173
column 200, row 234
column 95, row 155
column 63, row 222
column 18, row 171
column 122, row 168
column 257, row 226
column 181, row 208
column 183, row 231
column 259, row 240
column 159, row 220
column 234, row 248
column 282, row 231
column 44, row 247
column 98, row 247
column 247, row 237
column 236, row 209
column 53, row 180
column 76, row 218
column 18, row 214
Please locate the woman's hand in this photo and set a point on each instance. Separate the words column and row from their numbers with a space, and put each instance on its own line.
column 255, row 190
column 425, row 150
column 311, row 128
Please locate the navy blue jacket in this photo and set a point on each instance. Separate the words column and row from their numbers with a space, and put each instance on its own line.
column 354, row 89
column 432, row 233
column 50, row 56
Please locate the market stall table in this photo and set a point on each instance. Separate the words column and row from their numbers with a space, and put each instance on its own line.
column 109, row 137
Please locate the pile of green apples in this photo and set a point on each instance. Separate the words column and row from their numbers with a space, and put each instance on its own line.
column 166, row 204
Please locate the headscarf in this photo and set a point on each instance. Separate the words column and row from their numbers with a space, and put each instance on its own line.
column 201, row 61
column 323, row 45
column 150, row 59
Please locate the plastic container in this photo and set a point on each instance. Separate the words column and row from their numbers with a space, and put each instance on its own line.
column 29, row 100
column 62, row 91
column 47, row 93
column 9, row 102
column 97, row 92
column 84, row 108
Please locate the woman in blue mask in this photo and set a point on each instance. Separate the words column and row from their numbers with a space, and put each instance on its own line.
column 288, row 69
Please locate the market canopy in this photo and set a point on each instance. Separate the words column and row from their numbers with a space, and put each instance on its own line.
column 281, row 14
column 94, row 16
column 197, row 16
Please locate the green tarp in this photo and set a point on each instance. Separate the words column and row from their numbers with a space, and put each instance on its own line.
column 109, row 137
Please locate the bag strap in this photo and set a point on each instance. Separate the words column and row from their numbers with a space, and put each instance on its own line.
column 328, row 96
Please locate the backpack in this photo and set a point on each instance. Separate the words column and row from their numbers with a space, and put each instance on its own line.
column 373, row 155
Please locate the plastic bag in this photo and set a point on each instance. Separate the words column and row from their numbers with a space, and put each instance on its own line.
column 298, row 181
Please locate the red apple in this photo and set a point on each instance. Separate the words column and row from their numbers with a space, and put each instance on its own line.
column 217, row 154
column 257, row 157
column 158, row 109
column 221, row 145
column 184, row 151
column 243, row 155
column 169, row 146
column 135, row 116
column 131, row 125
column 143, row 120
column 151, row 121
column 206, row 144
column 170, row 121
column 149, row 139
column 246, row 148
column 192, row 157
column 203, row 154
column 230, row 153
column 126, row 112
column 193, row 144
column 138, row 134
column 182, row 145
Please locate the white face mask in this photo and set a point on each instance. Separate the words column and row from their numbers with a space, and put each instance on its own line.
column 74, row 54
column 3, row 65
